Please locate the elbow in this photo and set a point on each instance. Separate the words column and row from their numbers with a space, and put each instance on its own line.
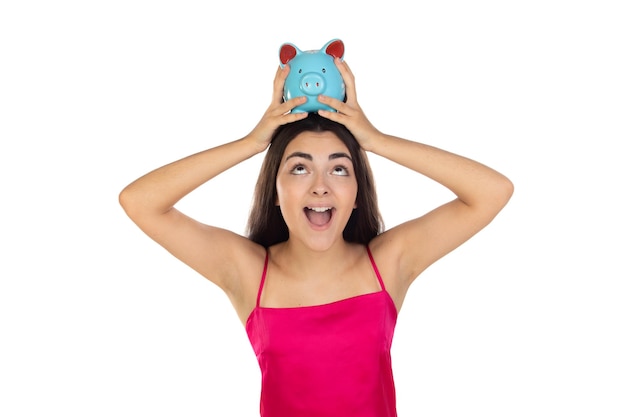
column 506, row 186
column 123, row 198
column 502, row 192
column 139, row 205
column 128, row 201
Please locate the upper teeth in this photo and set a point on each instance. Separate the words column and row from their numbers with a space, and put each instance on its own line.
column 319, row 209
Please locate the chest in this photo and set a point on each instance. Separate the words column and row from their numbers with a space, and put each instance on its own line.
column 289, row 290
column 363, row 324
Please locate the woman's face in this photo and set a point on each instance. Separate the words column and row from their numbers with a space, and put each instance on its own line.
column 316, row 189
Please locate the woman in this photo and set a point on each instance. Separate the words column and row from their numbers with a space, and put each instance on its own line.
column 318, row 283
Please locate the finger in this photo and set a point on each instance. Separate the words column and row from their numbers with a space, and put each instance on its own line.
column 289, row 105
column 332, row 115
column 279, row 83
column 293, row 117
column 348, row 79
column 345, row 64
column 336, row 104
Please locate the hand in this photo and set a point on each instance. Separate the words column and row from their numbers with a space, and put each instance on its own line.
column 278, row 113
column 350, row 113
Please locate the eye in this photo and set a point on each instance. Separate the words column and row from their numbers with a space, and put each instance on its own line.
column 299, row 170
column 324, row 70
column 341, row 171
column 300, row 71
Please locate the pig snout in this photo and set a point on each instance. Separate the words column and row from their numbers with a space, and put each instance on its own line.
column 312, row 84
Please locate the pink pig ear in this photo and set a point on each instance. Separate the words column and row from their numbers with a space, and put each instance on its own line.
column 287, row 53
column 335, row 48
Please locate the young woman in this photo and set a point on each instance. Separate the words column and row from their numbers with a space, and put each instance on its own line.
column 317, row 282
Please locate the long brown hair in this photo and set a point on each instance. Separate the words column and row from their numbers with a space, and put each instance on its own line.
column 266, row 225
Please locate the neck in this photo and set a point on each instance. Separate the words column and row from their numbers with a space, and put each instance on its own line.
column 308, row 262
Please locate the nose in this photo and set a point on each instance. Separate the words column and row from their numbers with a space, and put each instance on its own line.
column 319, row 186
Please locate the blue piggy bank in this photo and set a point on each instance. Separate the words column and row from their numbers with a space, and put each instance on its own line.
column 312, row 73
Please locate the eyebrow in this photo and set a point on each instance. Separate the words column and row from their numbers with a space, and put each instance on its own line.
column 307, row 156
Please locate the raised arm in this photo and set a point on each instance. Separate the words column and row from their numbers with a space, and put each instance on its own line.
column 149, row 201
column 481, row 192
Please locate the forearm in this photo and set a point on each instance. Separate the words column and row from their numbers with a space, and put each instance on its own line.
column 159, row 190
column 471, row 181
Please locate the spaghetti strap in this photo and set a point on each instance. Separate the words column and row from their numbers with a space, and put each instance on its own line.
column 258, row 296
column 380, row 279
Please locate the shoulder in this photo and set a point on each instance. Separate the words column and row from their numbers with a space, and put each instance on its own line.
column 390, row 255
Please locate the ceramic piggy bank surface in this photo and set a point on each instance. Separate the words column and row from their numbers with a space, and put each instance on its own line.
column 312, row 73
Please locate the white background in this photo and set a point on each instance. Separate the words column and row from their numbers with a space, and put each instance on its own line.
column 526, row 319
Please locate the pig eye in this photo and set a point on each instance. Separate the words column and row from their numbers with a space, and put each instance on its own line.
column 300, row 71
column 324, row 70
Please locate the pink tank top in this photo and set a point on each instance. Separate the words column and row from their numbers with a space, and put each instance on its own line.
column 329, row 360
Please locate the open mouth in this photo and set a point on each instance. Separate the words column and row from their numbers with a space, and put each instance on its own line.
column 319, row 216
